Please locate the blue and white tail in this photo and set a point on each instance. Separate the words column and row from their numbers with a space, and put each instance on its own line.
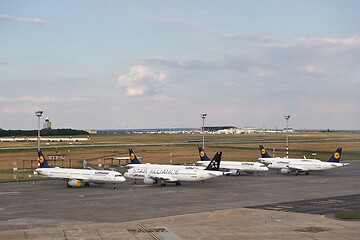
column 264, row 153
column 202, row 154
column 214, row 164
column 133, row 158
column 336, row 156
column 42, row 163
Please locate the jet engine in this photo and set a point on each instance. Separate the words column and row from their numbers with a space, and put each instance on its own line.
column 74, row 183
column 150, row 181
column 285, row 170
column 234, row 172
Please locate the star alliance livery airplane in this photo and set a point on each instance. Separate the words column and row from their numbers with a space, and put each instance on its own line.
column 163, row 173
column 232, row 167
column 299, row 165
column 76, row 177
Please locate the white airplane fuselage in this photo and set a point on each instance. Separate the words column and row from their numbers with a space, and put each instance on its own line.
column 278, row 159
column 249, row 167
column 83, row 175
column 305, row 166
column 170, row 173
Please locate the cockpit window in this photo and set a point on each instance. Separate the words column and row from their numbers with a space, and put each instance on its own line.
column 118, row 175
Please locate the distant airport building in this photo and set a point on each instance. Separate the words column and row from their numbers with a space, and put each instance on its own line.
column 56, row 157
column 217, row 128
column 47, row 124
column 289, row 129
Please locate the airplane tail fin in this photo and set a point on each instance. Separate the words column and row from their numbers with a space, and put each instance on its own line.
column 336, row 156
column 42, row 163
column 133, row 158
column 214, row 164
column 264, row 153
column 202, row 154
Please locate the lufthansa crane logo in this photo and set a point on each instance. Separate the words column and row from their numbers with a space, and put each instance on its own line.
column 202, row 154
column 336, row 155
column 41, row 159
column 132, row 156
column 263, row 151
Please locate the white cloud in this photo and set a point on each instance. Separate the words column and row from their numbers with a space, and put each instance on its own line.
column 80, row 100
column 18, row 109
column 162, row 98
column 242, row 36
column 24, row 20
column 141, row 80
column 311, row 69
column 30, row 99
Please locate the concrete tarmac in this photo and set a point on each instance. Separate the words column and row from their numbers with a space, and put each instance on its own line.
column 228, row 207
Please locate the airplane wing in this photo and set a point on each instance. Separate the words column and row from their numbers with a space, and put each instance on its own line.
column 162, row 178
column 297, row 168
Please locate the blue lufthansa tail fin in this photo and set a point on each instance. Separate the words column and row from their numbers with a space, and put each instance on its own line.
column 336, row 156
column 264, row 153
column 214, row 164
column 42, row 163
column 133, row 158
column 202, row 154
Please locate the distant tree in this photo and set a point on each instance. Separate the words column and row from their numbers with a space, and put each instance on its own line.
column 43, row 132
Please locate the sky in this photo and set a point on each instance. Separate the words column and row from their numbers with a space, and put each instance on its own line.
column 116, row 64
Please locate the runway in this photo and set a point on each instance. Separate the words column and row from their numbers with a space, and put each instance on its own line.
column 229, row 206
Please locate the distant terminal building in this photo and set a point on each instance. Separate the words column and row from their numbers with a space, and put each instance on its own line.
column 91, row 131
column 56, row 157
column 47, row 124
column 217, row 128
column 289, row 129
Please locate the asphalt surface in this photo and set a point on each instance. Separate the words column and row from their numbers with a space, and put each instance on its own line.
column 224, row 207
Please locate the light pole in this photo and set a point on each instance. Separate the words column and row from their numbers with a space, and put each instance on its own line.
column 38, row 114
column 203, row 116
column 287, row 135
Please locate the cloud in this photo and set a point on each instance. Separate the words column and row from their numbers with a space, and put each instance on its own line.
column 80, row 100
column 162, row 98
column 243, row 36
column 29, row 99
column 141, row 80
column 4, row 63
column 228, row 61
column 38, row 21
column 311, row 70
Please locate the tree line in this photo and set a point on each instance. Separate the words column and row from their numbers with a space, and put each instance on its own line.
column 43, row 132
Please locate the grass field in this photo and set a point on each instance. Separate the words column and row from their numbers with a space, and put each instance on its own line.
column 348, row 216
column 244, row 147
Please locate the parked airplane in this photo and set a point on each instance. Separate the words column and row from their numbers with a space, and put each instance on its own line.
column 163, row 173
column 267, row 159
column 232, row 167
column 288, row 165
column 135, row 162
column 75, row 177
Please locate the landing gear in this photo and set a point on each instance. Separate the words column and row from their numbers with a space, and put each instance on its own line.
column 113, row 187
column 177, row 183
column 86, row 184
column 163, row 184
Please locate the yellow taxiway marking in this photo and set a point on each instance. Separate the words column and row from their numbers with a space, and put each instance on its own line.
column 150, row 233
